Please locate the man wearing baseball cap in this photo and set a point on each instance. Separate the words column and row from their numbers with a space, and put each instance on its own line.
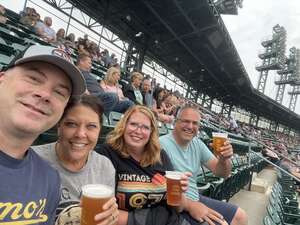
column 35, row 89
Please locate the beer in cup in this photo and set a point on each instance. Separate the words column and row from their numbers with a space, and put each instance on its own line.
column 218, row 141
column 94, row 196
column 173, row 188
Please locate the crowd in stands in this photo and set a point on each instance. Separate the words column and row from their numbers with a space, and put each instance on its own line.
column 141, row 90
column 133, row 149
column 43, row 28
column 3, row 18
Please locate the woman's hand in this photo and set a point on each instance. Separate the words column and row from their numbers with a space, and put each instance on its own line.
column 110, row 214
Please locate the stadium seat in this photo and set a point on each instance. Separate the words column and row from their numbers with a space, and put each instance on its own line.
column 47, row 137
column 97, row 72
column 268, row 221
column 6, row 53
column 204, row 188
column 162, row 129
column 105, row 129
column 283, row 203
column 38, row 40
column 11, row 15
column 170, row 127
column 20, row 32
column 273, row 215
column 114, row 117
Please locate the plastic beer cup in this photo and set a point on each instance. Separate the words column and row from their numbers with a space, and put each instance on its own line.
column 173, row 188
column 218, row 141
column 94, row 196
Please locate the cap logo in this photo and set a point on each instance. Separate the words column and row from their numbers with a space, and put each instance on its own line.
column 62, row 54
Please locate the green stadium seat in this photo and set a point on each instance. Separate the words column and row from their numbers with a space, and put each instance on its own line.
column 38, row 40
column 237, row 137
column 95, row 76
column 19, row 32
column 4, row 28
column 105, row 129
column 4, row 60
column 10, row 37
column 12, row 15
column 268, row 221
column 162, row 129
column 19, row 47
column 114, row 118
column 100, row 69
column 47, row 137
column 170, row 126
column 30, row 41
column 6, row 53
column 11, row 22
column 272, row 213
column 204, row 188
column 26, row 29
column 204, row 137
column 100, row 74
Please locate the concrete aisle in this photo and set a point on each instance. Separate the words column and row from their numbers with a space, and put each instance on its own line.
column 255, row 203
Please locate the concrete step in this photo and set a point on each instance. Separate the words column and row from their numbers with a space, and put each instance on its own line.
column 255, row 203
column 259, row 185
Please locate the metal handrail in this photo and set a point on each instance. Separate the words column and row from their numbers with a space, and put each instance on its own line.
column 273, row 164
column 264, row 145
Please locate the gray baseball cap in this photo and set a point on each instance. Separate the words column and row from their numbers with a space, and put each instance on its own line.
column 57, row 57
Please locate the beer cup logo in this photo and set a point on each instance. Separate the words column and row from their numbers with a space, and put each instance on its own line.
column 173, row 188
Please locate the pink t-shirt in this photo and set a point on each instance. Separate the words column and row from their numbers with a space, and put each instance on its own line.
column 113, row 89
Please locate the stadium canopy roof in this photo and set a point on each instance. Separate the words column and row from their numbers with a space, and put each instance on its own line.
column 190, row 40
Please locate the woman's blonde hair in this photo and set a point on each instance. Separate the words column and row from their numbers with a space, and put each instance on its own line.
column 151, row 150
column 136, row 75
column 109, row 75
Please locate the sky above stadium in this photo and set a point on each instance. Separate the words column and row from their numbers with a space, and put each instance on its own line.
column 253, row 23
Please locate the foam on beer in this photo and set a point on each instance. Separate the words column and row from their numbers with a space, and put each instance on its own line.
column 222, row 135
column 174, row 175
column 97, row 191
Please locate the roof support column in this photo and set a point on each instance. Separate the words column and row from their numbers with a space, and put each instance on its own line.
column 134, row 58
column 187, row 94
column 226, row 109
column 207, row 101
column 273, row 125
column 254, row 119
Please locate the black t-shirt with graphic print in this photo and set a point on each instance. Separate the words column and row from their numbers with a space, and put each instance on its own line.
column 137, row 186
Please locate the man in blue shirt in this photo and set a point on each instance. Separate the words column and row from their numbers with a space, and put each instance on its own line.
column 188, row 153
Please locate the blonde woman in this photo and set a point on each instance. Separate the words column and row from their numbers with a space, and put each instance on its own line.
column 110, row 84
column 133, row 147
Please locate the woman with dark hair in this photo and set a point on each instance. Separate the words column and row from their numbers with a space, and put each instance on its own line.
column 74, row 157
column 134, row 149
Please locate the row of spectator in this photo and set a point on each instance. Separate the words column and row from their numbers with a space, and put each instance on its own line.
column 132, row 161
column 29, row 17
column 140, row 90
